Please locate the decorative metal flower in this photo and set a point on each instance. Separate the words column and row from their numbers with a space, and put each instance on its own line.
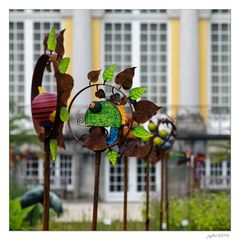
column 114, row 118
column 161, row 141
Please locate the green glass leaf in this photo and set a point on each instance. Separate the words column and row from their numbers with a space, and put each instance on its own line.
column 112, row 156
column 141, row 132
column 53, row 148
column 173, row 155
column 64, row 116
column 109, row 72
column 137, row 92
column 63, row 65
column 51, row 42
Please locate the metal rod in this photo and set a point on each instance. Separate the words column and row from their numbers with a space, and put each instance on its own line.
column 46, row 187
column 147, row 195
column 161, row 196
column 166, row 192
column 96, row 188
column 125, row 193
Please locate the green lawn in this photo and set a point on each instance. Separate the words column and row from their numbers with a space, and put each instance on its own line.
column 86, row 226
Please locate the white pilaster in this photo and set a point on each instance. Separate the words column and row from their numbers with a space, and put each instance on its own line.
column 28, row 63
column 82, row 52
column 189, row 76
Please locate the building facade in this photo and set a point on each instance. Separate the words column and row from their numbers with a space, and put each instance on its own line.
column 182, row 57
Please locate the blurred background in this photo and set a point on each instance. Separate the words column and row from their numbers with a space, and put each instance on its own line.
column 182, row 57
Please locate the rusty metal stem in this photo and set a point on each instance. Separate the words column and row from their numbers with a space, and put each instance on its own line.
column 147, row 195
column 161, row 196
column 46, row 186
column 166, row 192
column 96, row 188
column 125, row 193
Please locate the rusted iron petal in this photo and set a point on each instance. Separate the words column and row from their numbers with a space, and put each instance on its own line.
column 93, row 75
column 129, row 148
column 100, row 93
column 96, row 131
column 123, row 100
column 125, row 77
column 60, row 46
column 144, row 150
column 140, row 116
column 144, row 110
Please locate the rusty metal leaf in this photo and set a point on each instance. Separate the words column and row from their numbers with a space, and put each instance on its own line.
column 129, row 148
column 96, row 131
column 115, row 98
column 140, row 117
column 123, row 100
column 60, row 46
column 154, row 157
column 144, row 151
column 93, row 75
column 100, row 93
column 65, row 85
column 45, row 43
column 125, row 77
column 89, row 142
column 144, row 110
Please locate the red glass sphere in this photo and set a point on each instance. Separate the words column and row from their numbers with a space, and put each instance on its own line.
column 42, row 106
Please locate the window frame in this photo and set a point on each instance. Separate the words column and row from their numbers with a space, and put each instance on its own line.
column 133, row 194
column 217, row 123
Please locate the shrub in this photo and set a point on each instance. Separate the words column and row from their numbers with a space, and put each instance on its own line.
column 203, row 211
column 17, row 216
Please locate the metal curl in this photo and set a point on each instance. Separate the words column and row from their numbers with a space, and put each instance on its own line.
column 80, row 120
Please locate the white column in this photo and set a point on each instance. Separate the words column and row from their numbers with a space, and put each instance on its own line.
column 136, row 50
column 82, row 54
column 189, row 82
column 28, row 63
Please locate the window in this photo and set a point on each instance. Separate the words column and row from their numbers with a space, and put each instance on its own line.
column 116, row 176
column 130, row 11
column 16, row 65
column 153, row 55
column 153, row 11
column 215, row 176
column 47, row 10
column 16, row 10
column 220, row 11
column 66, row 170
column 118, row 11
column 114, row 179
column 220, row 66
column 141, row 176
column 117, row 45
column 31, row 172
column 53, row 175
column 61, row 172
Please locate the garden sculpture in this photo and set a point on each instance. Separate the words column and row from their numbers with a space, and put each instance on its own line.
column 157, row 148
column 49, row 110
column 114, row 110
